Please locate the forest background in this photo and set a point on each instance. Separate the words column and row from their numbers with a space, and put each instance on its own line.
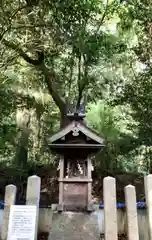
column 93, row 51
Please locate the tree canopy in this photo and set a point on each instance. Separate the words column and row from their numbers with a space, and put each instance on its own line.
column 56, row 53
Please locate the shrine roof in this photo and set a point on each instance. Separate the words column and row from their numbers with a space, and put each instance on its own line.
column 76, row 127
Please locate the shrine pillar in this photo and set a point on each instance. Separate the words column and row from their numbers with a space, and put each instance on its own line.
column 61, row 176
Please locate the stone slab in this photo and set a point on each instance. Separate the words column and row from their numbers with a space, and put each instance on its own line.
column 75, row 226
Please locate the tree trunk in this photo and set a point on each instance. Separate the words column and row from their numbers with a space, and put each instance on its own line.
column 23, row 121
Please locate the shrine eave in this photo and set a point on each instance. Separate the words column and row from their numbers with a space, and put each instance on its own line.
column 79, row 145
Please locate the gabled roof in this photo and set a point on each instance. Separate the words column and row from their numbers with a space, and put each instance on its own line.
column 77, row 127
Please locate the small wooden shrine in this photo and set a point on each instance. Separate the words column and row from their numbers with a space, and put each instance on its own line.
column 75, row 144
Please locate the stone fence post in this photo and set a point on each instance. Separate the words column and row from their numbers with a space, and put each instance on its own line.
column 33, row 196
column 110, row 211
column 131, row 209
column 148, row 194
column 10, row 197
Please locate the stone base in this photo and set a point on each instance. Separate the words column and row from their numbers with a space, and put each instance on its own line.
column 60, row 207
column 90, row 208
column 74, row 226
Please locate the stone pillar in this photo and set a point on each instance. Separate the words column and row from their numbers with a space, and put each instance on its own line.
column 10, row 196
column 60, row 206
column 89, row 207
column 131, row 209
column 148, row 194
column 33, row 196
column 110, row 211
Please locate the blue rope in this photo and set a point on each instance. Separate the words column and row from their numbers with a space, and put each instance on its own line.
column 140, row 205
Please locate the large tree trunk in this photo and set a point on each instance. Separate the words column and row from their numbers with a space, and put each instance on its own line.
column 23, row 121
column 51, row 78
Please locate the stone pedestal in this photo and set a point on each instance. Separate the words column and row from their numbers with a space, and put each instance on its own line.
column 75, row 226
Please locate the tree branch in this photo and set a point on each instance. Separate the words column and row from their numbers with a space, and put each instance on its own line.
column 82, row 83
column 10, row 20
column 22, row 54
column 31, row 26
column 50, row 76
column 103, row 17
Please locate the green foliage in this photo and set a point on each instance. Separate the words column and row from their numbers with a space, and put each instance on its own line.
column 114, row 125
column 135, row 19
column 54, row 50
